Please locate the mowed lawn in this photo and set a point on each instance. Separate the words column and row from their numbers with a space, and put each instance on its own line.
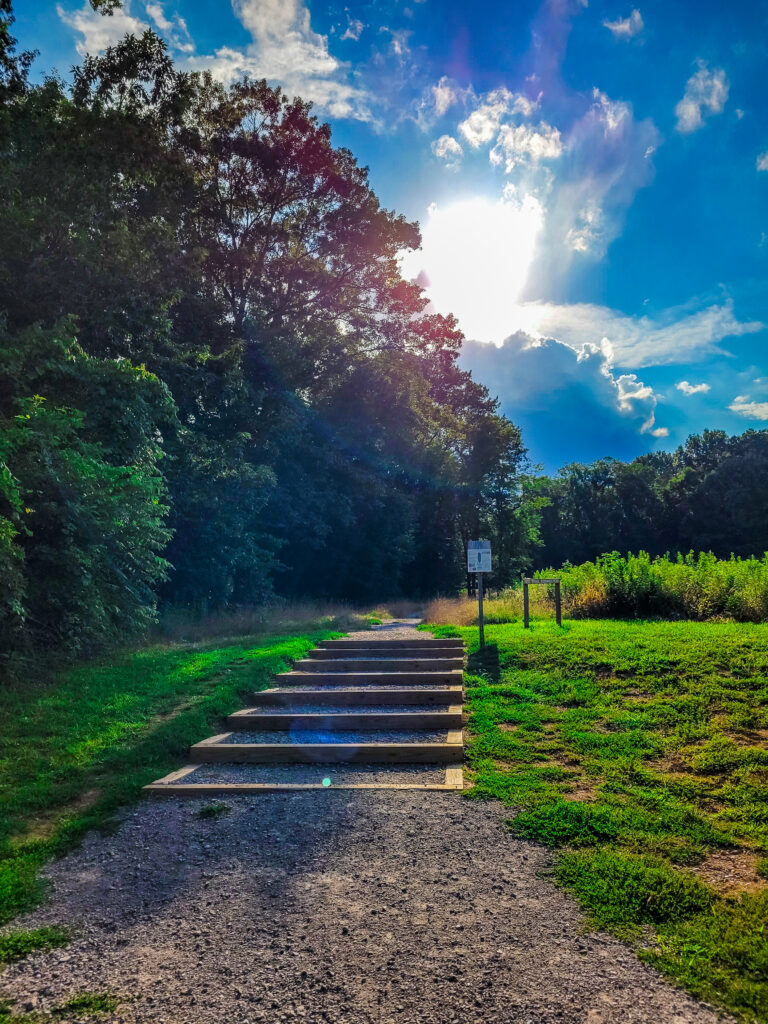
column 639, row 751
column 76, row 747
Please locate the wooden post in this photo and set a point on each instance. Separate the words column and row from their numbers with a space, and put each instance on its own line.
column 526, row 616
column 480, row 603
column 558, row 607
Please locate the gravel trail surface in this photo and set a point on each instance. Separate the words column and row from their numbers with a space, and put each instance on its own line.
column 337, row 907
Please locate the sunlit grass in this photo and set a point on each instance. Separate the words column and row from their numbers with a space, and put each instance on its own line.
column 638, row 750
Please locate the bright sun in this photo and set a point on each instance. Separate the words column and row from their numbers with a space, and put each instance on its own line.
column 476, row 255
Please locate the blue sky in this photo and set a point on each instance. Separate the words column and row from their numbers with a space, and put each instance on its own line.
column 591, row 179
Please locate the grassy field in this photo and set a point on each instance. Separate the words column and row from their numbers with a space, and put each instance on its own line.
column 80, row 745
column 638, row 750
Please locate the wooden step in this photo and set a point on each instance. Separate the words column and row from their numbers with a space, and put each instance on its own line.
column 439, row 695
column 237, row 780
column 377, row 664
column 375, row 651
column 451, row 677
column 217, row 751
column 427, row 642
column 254, row 718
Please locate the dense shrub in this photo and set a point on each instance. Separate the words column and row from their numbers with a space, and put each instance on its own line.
column 695, row 586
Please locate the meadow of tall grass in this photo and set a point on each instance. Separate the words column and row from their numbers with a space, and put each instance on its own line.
column 699, row 587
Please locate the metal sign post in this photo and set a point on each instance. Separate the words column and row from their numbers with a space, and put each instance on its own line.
column 479, row 561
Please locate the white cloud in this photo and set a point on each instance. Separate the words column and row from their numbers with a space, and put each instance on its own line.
column 354, row 29
column 522, row 143
column 742, row 406
column 287, row 51
column 762, row 161
column 445, row 94
column 676, row 337
column 448, row 149
column 606, row 159
column 705, row 93
column 660, row 432
column 438, row 99
column 98, row 31
column 626, row 28
column 483, row 123
column 157, row 14
column 692, row 389
column 175, row 29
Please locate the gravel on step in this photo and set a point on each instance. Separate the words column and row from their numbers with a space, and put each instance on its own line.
column 340, row 736
column 313, row 774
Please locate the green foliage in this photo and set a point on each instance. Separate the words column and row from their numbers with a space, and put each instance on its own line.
column 711, row 494
column 82, row 522
column 562, row 823
column 213, row 810
column 635, row 750
column 87, row 1004
column 623, row 889
column 254, row 385
column 720, row 955
column 691, row 587
column 17, row 945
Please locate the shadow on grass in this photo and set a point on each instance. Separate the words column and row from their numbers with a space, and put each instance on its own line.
column 485, row 662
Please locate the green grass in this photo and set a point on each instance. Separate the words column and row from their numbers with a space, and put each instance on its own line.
column 84, row 1006
column 638, row 751
column 213, row 810
column 76, row 748
column 17, row 945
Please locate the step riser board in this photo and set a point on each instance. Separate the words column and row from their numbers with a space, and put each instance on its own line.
column 347, row 722
column 356, row 698
column 443, row 678
column 352, row 645
column 327, row 753
column 379, row 665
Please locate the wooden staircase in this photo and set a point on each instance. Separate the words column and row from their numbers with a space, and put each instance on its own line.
column 355, row 714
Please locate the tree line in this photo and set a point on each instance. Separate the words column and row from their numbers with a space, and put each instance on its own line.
column 215, row 384
column 711, row 495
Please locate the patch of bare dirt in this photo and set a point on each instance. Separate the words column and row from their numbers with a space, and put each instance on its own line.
column 731, row 871
column 43, row 826
column 581, row 789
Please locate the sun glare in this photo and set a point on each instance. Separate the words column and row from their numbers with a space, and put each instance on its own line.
column 474, row 261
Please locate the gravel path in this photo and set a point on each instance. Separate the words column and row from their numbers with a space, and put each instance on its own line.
column 337, row 907
column 340, row 907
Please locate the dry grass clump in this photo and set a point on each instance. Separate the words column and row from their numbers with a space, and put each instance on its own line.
column 506, row 606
